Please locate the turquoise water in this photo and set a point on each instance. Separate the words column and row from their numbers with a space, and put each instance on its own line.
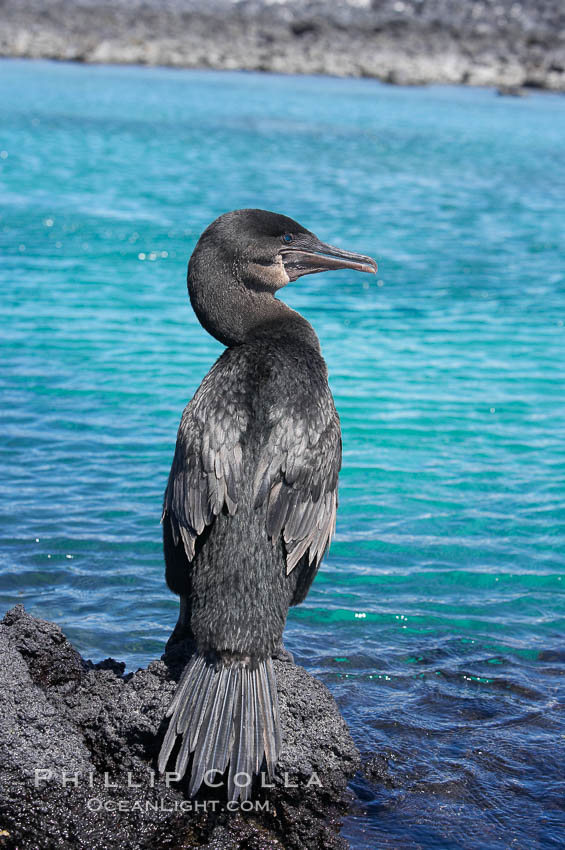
column 437, row 620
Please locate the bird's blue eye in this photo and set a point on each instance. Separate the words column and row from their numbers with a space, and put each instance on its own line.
column 287, row 238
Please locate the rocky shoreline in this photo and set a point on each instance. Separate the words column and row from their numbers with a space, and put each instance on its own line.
column 509, row 44
column 78, row 748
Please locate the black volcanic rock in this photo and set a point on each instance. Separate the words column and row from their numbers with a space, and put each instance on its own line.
column 503, row 43
column 94, row 735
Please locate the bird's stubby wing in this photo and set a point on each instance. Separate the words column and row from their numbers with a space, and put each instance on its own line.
column 297, row 475
column 208, row 458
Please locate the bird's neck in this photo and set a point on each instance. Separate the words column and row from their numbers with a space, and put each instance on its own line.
column 279, row 322
column 240, row 315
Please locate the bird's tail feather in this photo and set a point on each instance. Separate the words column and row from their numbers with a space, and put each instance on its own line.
column 224, row 714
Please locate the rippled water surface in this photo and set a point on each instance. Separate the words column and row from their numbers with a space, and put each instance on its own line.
column 437, row 619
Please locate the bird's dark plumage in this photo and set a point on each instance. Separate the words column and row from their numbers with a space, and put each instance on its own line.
column 250, row 505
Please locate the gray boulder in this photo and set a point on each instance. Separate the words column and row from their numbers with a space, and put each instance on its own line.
column 78, row 748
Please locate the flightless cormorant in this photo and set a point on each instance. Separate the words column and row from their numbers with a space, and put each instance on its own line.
column 251, row 500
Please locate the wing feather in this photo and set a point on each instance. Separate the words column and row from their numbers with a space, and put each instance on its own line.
column 297, row 474
column 207, row 466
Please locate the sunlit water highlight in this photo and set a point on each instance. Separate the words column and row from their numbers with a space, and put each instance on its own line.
column 437, row 620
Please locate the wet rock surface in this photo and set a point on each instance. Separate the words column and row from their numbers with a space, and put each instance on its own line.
column 504, row 43
column 78, row 749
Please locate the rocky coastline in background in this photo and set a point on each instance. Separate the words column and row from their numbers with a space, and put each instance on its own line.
column 509, row 44
column 94, row 733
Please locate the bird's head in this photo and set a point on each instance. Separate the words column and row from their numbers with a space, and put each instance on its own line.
column 247, row 253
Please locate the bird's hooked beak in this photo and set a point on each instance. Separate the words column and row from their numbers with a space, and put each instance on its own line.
column 307, row 255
